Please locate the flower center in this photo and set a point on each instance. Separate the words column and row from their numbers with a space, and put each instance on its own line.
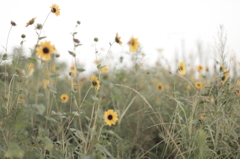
column 54, row 10
column 45, row 50
column 110, row 117
column 181, row 68
column 94, row 83
column 132, row 42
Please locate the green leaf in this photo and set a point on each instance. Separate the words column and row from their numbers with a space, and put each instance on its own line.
column 72, row 53
column 32, row 60
column 55, row 75
column 20, row 125
column 43, row 37
column 48, row 145
column 2, row 84
column 79, row 134
column 14, row 151
column 14, row 63
column 100, row 67
column 80, row 69
column 51, row 119
column 103, row 150
column 40, row 107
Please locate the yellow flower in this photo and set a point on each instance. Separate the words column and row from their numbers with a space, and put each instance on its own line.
column 47, row 73
column 45, row 50
column 21, row 98
column 199, row 68
column 45, row 83
column 30, row 22
column 198, row 85
column 104, row 69
column 225, row 77
column 117, row 39
column 110, row 117
column 160, row 86
column 182, row 68
column 202, row 116
column 64, row 98
column 31, row 65
column 73, row 68
column 53, row 68
column 55, row 9
column 134, row 44
column 95, row 82
column 188, row 86
column 238, row 82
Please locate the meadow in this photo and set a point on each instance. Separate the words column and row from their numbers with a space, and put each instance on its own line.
column 52, row 110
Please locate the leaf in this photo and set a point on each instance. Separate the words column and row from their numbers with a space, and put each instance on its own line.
column 79, row 134
column 103, row 150
column 48, row 145
column 43, row 37
column 80, row 69
column 55, row 75
column 2, row 84
column 40, row 107
column 74, row 33
column 32, row 60
column 14, row 63
column 51, row 119
column 100, row 67
column 20, row 125
column 72, row 53
column 14, row 151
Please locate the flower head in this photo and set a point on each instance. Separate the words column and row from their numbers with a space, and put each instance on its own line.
column 31, row 65
column 30, row 22
column 202, row 116
column 45, row 83
column 133, row 44
column 21, row 98
column 104, row 69
column 160, row 86
column 13, row 23
column 198, row 85
column 182, row 68
column 117, row 39
column 110, row 117
column 95, row 82
column 55, row 9
column 64, row 98
column 225, row 77
column 199, row 68
column 45, row 50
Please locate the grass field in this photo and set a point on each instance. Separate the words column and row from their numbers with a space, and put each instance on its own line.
column 52, row 110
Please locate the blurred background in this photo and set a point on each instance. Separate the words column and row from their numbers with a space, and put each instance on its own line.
column 175, row 27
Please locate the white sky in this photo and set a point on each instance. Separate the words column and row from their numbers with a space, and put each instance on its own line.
column 156, row 23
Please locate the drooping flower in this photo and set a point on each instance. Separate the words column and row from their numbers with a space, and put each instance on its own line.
column 198, row 85
column 182, row 68
column 95, row 82
column 110, row 117
column 133, row 44
column 21, row 98
column 117, row 39
column 64, row 98
column 45, row 50
column 30, row 22
column 55, row 9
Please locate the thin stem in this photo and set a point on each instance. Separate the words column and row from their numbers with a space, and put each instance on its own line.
column 8, row 38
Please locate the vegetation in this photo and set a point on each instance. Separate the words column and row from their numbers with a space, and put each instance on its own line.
column 128, row 113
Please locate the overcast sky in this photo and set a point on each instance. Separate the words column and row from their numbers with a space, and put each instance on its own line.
column 156, row 24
